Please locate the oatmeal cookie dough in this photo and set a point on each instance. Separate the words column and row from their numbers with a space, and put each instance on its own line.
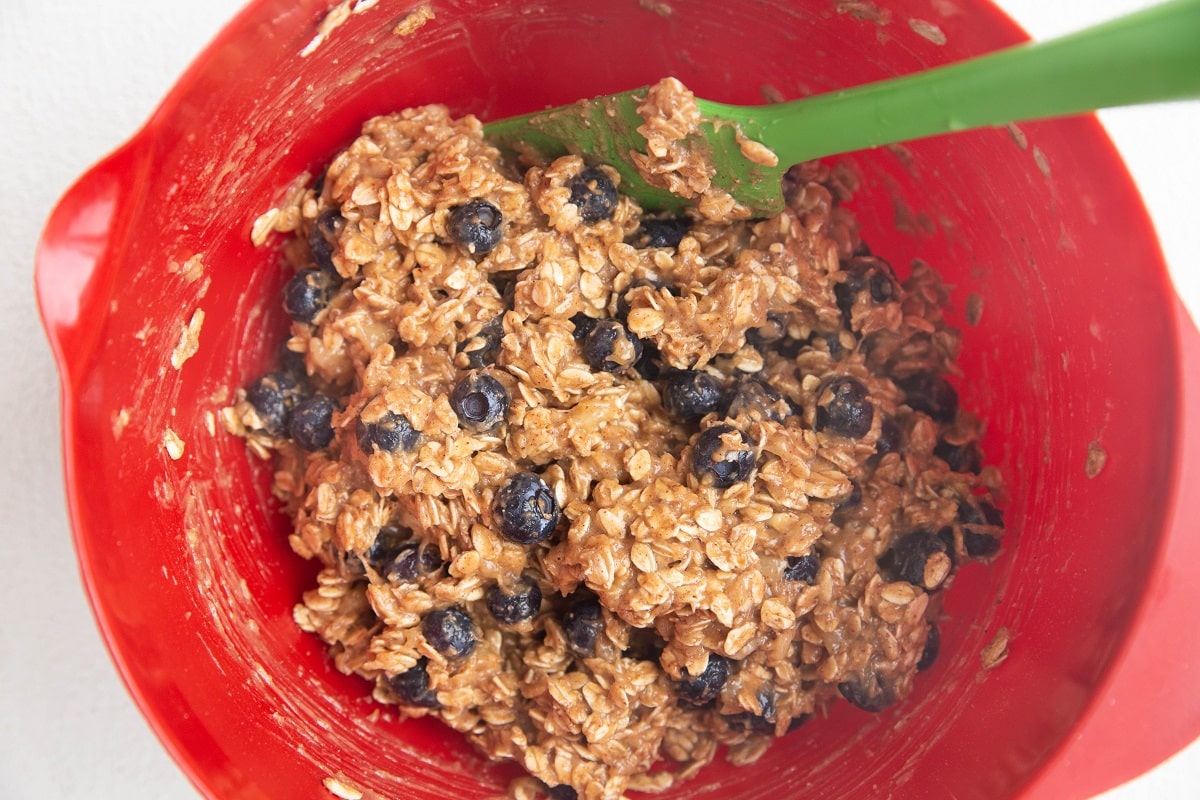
column 598, row 488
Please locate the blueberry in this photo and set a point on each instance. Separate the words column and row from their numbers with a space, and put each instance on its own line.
column 449, row 631
column 869, row 276
column 583, row 325
column 273, row 396
column 311, row 425
column 623, row 308
column 293, row 363
column 321, row 251
column 704, row 687
column 843, row 408
column 980, row 545
column 755, row 400
column 482, row 348
column 960, row 457
column 307, row 293
column 723, row 455
column 969, row 513
column 787, row 347
column 802, row 568
column 412, row 560
column 882, row 288
column 526, row 509
column 689, row 394
column 762, row 722
column 581, row 624
column 766, row 702
column 561, row 792
column 350, row 563
column 505, row 284
column 906, row 558
column 649, row 366
column 516, row 605
column 853, row 499
column 322, row 238
column 476, row 225
column 387, row 545
column 330, row 222
column 610, row 347
column 389, row 433
column 874, row 697
column 798, row 721
column 660, row 233
column 412, row 686
column 644, row 645
column 832, row 341
column 770, row 332
column 933, row 644
column 754, row 723
column 946, row 534
column 846, row 507
column 889, row 436
column 594, row 193
column 480, row 401
column 983, row 514
column 930, row 394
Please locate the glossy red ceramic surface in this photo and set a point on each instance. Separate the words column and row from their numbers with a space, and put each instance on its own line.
column 1082, row 361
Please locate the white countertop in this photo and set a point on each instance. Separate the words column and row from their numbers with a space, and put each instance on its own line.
column 77, row 77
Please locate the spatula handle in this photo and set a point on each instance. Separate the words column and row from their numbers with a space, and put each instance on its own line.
column 1148, row 56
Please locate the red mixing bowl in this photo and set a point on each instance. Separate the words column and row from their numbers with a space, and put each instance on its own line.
column 1082, row 361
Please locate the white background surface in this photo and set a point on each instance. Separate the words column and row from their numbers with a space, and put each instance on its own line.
column 77, row 77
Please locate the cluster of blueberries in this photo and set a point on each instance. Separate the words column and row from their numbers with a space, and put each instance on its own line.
column 526, row 510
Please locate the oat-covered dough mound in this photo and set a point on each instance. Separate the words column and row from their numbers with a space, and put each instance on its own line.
column 599, row 489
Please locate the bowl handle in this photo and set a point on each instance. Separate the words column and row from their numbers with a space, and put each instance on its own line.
column 71, row 287
column 1148, row 707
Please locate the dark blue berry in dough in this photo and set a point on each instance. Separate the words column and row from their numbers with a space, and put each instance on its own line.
column 476, row 225
column 688, row 395
column 390, row 433
column 843, row 408
column 480, row 401
column 412, row 686
column 518, row 604
column 722, row 456
column 526, row 509
column 700, row 689
column 311, row 425
column 594, row 193
column 449, row 631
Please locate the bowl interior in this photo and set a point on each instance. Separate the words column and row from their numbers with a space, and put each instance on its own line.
column 1068, row 349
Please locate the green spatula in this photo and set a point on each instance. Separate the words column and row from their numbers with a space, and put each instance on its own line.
column 1149, row 56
